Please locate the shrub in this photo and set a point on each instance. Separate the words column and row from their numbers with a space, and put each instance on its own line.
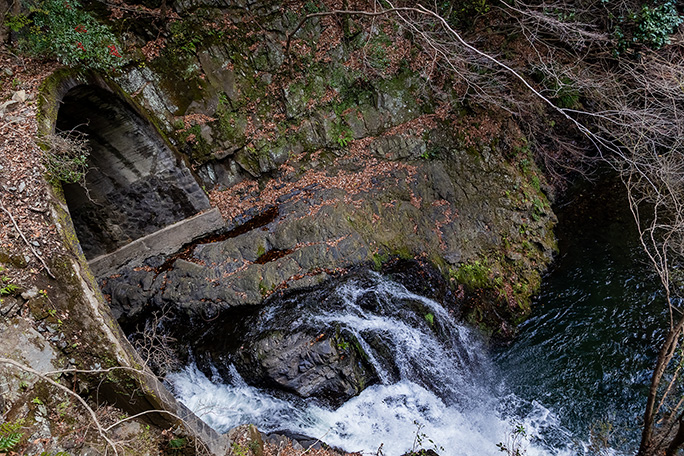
column 654, row 25
column 63, row 30
column 66, row 157
column 651, row 27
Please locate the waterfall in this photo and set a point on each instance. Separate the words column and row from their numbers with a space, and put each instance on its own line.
column 436, row 380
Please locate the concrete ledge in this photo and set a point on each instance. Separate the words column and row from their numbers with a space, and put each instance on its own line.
column 165, row 242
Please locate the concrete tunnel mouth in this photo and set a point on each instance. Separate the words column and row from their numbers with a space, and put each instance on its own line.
column 140, row 198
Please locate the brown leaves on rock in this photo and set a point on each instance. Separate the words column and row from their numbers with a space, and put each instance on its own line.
column 152, row 49
column 245, row 195
column 23, row 190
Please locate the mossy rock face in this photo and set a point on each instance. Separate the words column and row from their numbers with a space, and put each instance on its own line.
column 291, row 129
column 472, row 215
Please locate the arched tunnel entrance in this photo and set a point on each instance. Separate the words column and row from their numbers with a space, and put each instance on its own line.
column 138, row 199
column 135, row 185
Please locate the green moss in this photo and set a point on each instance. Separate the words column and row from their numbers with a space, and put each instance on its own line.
column 403, row 252
column 430, row 318
column 49, row 95
column 199, row 149
column 474, row 275
column 380, row 258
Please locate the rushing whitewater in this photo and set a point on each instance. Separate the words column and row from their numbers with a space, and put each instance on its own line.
column 437, row 382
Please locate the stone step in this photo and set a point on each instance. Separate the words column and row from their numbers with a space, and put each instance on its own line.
column 163, row 242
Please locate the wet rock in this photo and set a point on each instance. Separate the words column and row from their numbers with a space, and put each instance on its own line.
column 422, row 452
column 310, row 365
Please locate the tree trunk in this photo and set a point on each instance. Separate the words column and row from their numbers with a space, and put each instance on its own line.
column 664, row 357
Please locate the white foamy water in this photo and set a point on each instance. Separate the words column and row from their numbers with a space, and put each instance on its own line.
column 445, row 384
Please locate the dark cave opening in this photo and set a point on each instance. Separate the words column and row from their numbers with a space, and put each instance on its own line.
column 135, row 184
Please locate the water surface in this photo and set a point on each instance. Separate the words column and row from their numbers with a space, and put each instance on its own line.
column 583, row 359
column 588, row 350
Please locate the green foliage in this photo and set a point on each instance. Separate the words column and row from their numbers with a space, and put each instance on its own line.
column 64, row 30
column 177, row 443
column 343, row 136
column 254, row 446
column 192, row 33
column 430, row 318
column 10, row 435
column 515, row 443
column 535, row 182
column 18, row 22
column 429, row 154
column 184, row 38
column 651, row 27
column 343, row 345
column 239, row 450
column 537, row 208
column 6, row 286
column 7, row 442
column 655, row 24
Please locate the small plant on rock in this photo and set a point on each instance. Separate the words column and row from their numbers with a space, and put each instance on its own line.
column 515, row 444
column 420, row 439
column 10, row 435
column 430, row 318
column 6, row 286
column 344, row 138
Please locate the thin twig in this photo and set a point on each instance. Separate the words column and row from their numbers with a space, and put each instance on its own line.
column 14, row 222
column 85, row 405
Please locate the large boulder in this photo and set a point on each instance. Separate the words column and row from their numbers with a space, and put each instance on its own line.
column 326, row 366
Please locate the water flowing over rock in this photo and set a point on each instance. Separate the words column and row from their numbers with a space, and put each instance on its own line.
column 430, row 370
column 289, row 344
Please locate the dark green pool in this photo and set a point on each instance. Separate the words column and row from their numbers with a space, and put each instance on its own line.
column 588, row 349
